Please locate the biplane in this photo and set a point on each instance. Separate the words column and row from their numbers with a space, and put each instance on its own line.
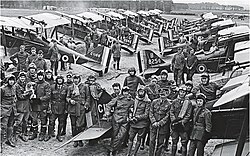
column 150, row 62
column 129, row 42
column 16, row 32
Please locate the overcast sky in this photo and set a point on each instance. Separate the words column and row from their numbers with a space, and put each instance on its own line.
column 244, row 3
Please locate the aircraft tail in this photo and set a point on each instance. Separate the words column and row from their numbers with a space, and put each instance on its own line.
column 147, row 59
column 102, row 56
column 148, row 37
column 159, row 32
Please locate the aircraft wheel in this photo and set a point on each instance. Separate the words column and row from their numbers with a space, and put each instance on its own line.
column 201, row 68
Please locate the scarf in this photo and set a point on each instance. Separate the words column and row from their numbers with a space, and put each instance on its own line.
column 76, row 91
column 183, row 108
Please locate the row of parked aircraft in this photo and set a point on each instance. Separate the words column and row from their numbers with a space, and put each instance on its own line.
column 230, row 112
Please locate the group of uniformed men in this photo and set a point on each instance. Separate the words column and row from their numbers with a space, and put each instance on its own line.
column 154, row 109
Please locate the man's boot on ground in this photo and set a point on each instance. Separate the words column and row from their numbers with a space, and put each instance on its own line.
column 80, row 143
column 50, row 131
column 59, row 132
column 130, row 145
column 137, row 146
column 173, row 150
column 9, row 137
column 42, row 133
column 75, row 144
column 34, row 131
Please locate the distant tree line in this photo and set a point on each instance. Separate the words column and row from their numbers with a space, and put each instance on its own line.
column 164, row 5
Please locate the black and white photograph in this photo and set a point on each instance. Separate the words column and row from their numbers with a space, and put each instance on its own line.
column 124, row 77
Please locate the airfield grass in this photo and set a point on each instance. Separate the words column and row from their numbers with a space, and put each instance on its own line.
column 36, row 148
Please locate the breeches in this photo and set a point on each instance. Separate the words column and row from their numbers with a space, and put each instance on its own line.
column 42, row 115
column 119, row 134
column 156, row 138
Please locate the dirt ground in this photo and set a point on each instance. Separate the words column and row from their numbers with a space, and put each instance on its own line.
column 36, row 148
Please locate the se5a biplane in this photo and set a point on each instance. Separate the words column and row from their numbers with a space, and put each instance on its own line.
column 37, row 30
column 232, row 41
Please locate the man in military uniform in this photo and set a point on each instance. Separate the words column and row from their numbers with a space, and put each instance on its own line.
column 95, row 39
column 8, row 110
column 122, row 103
column 95, row 92
column 78, row 101
column 139, row 120
column 40, row 106
column 202, row 126
column 209, row 89
column 159, row 117
column 22, row 105
column 40, row 61
column 169, row 84
column 180, row 113
column 21, row 57
column 54, row 56
column 116, row 50
column 69, row 82
column 132, row 81
column 58, row 107
column 178, row 63
column 87, row 41
column 32, row 57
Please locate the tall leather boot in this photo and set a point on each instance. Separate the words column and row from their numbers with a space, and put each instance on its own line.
column 22, row 136
column 137, row 146
column 9, row 137
column 64, row 125
column 74, row 133
column 173, row 150
column 34, row 131
column 59, row 133
column 130, row 145
column 49, row 135
column 184, row 150
column 42, row 133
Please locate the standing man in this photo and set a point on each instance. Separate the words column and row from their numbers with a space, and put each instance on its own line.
column 87, row 40
column 95, row 92
column 139, row 120
column 132, row 81
column 41, row 106
column 21, row 57
column 116, row 50
column 180, row 113
column 122, row 104
column 40, row 61
column 178, row 63
column 202, row 127
column 54, row 56
column 32, row 57
column 78, row 101
column 58, row 107
column 22, row 105
column 95, row 39
column 8, row 110
column 191, row 64
column 69, row 83
column 159, row 117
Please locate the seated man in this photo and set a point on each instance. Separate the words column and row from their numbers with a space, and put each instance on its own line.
column 211, row 50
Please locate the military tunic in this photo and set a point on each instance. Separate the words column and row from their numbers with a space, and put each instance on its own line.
column 159, row 112
column 202, row 126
